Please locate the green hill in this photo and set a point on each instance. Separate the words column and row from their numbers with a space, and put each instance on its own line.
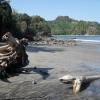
column 66, row 25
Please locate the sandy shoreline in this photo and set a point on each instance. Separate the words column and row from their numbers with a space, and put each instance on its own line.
column 56, row 61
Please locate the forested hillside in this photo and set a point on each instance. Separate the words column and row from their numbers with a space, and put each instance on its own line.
column 66, row 25
column 21, row 25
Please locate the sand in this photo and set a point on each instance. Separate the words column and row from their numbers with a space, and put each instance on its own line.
column 47, row 64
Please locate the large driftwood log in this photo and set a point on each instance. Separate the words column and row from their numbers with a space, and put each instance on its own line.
column 79, row 83
column 2, row 48
column 12, row 54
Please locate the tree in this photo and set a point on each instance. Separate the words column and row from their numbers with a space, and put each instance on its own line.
column 40, row 26
column 23, row 27
column 5, row 16
column 21, row 24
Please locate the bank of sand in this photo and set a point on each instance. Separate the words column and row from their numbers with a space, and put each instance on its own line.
column 47, row 64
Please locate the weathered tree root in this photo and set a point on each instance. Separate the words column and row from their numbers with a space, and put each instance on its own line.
column 79, row 83
column 12, row 54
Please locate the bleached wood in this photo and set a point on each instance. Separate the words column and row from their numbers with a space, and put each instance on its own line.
column 78, row 82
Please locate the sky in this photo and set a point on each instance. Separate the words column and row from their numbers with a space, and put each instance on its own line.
column 88, row 10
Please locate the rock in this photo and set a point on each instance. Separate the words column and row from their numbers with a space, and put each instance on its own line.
column 34, row 82
column 35, row 67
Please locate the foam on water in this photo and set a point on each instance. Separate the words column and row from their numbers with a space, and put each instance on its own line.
column 81, row 38
column 88, row 41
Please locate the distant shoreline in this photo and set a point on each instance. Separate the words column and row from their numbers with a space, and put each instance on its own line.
column 79, row 38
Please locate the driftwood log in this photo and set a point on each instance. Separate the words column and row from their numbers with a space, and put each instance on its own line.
column 79, row 83
column 12, row 54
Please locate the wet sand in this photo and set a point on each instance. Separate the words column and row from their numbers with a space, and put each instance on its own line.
column 47, row 64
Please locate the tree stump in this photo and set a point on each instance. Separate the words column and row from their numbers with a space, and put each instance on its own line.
column 13, row 54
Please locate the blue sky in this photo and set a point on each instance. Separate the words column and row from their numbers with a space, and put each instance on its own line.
column 88, row 10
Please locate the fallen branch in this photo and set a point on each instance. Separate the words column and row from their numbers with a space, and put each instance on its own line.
column 79, row 83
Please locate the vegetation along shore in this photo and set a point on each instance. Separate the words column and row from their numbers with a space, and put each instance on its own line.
column 36, row 27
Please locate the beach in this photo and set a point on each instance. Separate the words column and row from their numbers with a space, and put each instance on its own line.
column 40, row 79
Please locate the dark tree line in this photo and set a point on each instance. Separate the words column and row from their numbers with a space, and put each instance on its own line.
column 5, row 17
column 21, row 25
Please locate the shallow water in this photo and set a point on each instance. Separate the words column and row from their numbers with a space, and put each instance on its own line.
column 84, row 37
